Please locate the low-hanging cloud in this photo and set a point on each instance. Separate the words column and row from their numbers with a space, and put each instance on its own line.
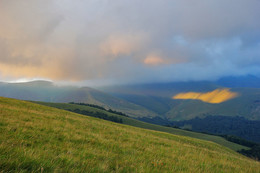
column 129, row 40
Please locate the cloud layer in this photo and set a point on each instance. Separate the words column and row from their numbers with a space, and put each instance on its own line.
column 121, row 40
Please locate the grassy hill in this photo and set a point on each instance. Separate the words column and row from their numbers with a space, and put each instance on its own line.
column 158, row 98
column 137, row 123
column 36, row 138
column 246, row 105
column 227, row 115
column 148, row 100
column 49, row 92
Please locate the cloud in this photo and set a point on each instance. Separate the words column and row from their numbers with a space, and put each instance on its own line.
column 129, row 40
column 154, row 60
column 122, row 45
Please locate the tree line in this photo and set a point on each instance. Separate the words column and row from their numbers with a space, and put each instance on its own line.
column 100, row 115
column 100, row 107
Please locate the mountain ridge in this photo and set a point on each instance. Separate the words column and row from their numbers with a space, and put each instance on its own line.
column 47, row 91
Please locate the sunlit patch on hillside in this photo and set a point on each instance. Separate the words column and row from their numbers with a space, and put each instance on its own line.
column 216, row 96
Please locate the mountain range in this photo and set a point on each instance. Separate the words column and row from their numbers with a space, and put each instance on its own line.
column 156, row 102
column 49, row 92
column 159, row 98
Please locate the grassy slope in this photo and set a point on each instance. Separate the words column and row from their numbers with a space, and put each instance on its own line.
column 136, row 123
column 39, row 138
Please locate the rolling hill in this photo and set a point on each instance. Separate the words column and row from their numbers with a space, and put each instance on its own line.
column 88, row 110
column 49, row 92
column 157, row 103
column 158, row 98
column 246, row 105
column 240, row 101
column 146, row 100
column 37, row 138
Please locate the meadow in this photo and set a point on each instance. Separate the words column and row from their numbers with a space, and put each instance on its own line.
column 36, row 138
column 141, row 124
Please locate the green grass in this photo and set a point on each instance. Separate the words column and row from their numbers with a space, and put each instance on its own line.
column 36, row 138
column 136, row 123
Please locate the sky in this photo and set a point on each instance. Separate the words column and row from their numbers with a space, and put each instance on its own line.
column 126, row 41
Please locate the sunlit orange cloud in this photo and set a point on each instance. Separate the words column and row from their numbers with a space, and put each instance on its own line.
column 216, row 96
column 154, row 60
column 122, row 44
column 48, row 71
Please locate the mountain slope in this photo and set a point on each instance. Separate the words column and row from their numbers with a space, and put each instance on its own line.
column 48, row 92
column 136, row 123
column 158, row 98
column 247, row 105
column 38, row 138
